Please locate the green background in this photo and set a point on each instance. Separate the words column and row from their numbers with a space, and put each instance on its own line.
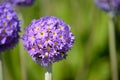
column 89, row 57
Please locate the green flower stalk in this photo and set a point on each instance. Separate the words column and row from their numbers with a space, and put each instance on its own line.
column 112, row 48
column 1, row 68
column 48, row 72
column 112, row 7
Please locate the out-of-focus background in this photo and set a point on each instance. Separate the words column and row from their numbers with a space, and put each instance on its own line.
column 89, row 57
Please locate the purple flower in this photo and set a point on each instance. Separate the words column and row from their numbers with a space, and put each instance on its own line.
column 109, row 5
column 21, row 2
column 47, row 40
column 9, row 27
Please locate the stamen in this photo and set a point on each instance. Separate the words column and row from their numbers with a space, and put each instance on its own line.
column 33, row 38
column 61, row 36
column 61, row 27
column 39, row 45
column 47, row 39
column 7, row 17
column 5, row 24
column 32, row 49
column 10, row 24
column 37, row 29
column 3, row 31
column 54, row 34
column 55, row 43
column 48, row 48
column 49, row 29
column 41, row 33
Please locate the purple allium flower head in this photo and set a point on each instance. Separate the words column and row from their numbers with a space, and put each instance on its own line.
column 9, row 27
column 109, row 5
column 21, row 2
column 47, row 40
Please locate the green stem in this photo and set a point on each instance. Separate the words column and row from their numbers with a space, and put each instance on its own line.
column 1, row 68
column 112, row 48
column 21, row 49
column 22, row 61
column 22, row 56
column 48, row 72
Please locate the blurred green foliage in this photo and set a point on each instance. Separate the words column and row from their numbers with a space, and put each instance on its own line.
column 89, row 57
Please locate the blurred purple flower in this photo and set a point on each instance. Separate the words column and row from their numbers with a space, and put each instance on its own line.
column 47, row 40
column 109, row 5
column 21, row 2
column 9, row 27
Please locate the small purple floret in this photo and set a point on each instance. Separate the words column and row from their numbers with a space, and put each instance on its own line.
column 21, row 2
column 47, row 40
column 109, row 5
column 9, row 27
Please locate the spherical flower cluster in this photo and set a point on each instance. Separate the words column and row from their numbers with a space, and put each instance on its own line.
column 47, row 40
column 109, row 5
column 9, row 27
column 21, row 2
